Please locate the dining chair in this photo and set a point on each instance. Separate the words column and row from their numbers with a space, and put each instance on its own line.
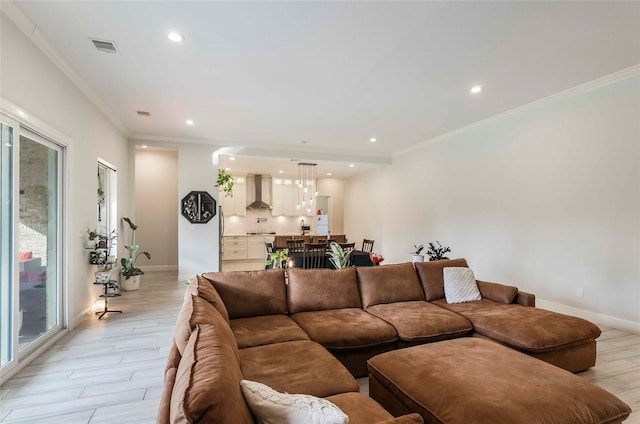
column 367, row 245
column 313, row 255
column 295, row 245
column 346, row 246
column 270, row 250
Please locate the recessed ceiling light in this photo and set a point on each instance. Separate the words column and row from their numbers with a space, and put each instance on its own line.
column 281, row 171
column 372, row 139
column 351, row 165
column 189, row 122
column 329, row 173
column 475, row 90
column 144, row 146
column 174, row 36
column 232, row 158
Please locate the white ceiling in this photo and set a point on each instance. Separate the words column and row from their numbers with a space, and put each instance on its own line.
column 269, row 75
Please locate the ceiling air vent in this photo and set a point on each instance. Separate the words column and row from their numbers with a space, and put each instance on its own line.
column 105, row 46
column 143, row 113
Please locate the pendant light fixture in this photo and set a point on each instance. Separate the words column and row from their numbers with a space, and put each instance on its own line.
column 307, row 186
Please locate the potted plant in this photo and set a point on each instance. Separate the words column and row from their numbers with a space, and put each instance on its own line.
column 438, row 252
column 277, row 258
column 416, row 255
column 225, row 182
column 130, row 272
column 339, row 257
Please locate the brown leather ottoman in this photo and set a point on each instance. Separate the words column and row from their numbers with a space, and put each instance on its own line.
column 473, row 380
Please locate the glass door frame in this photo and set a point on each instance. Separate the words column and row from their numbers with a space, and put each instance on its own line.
column 27, row 125
column 32, row 135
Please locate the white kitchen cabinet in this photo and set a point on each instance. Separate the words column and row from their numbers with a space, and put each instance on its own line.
column 282, row 197
column 236, row 205
column 256, row 248
column 234, row 247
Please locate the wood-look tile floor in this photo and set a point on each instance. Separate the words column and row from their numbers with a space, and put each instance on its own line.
column 111, row 371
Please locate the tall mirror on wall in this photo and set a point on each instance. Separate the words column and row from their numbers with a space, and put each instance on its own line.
column 106, row 213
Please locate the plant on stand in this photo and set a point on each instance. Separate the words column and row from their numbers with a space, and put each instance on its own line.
column 416, row 255
column 130, row 272
column 438, row 252
column 100, row 254
column 339, row 257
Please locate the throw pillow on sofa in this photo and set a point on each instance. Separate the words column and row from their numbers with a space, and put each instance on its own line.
column 460, row 285
column 271, row 407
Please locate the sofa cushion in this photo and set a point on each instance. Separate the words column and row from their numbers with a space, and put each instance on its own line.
column 460, row 285
column 265, row 329
column 469, row 380
column 195, row 310
column 320, row 289
column 251, row 293
column 524, row 328
column 207, row 382
column 420, row 321
column 388, row 284
column 360, row 408
column 271, row 407
column 202, row 287
column 297, row 367
column 497, row 292
column 345, row 328
column 431, row 278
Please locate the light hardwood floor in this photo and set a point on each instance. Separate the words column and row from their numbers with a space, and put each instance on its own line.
column 110, row 371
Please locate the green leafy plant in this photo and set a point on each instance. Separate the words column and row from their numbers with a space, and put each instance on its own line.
column 438, row 252
column 276, row 258
column 417, row 249
column 129, row 268
column 100, row 254
column 338, row 256
column 225, row 181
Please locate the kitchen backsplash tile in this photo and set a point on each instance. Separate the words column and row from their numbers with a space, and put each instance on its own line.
column 278, row 224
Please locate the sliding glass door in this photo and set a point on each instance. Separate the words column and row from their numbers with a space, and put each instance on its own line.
column 30, row 251
column 38, row 237
column 6, row 245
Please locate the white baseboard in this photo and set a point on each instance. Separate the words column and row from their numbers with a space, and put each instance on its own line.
column 595, row 317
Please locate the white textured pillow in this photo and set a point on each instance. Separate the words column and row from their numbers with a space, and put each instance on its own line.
column 271, row 407
column 460, row 285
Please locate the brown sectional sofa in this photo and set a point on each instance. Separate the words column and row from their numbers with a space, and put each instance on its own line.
column 315, row 332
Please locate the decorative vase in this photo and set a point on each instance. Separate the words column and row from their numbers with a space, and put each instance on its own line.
column 103, row 277
column 131, row 283
column 417, row 258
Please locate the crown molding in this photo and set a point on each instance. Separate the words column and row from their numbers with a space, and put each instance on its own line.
column 26, row 25
column 613, row 78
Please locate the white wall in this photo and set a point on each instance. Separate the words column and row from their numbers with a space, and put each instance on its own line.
column 546, row 198
column 197, row 243
column 29, row 80
column 156, row 196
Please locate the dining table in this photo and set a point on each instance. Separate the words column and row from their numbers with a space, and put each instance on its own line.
column 358, row 258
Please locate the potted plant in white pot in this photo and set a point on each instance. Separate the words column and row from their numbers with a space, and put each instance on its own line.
column 416, row 255
column 130, row 272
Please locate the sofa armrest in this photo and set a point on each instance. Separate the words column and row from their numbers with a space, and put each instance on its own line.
column 499, row 293
column 164, row 409
column 526, row 299
column 405, row 419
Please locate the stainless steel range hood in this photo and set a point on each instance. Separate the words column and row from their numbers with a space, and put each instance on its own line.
column 259, row 203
